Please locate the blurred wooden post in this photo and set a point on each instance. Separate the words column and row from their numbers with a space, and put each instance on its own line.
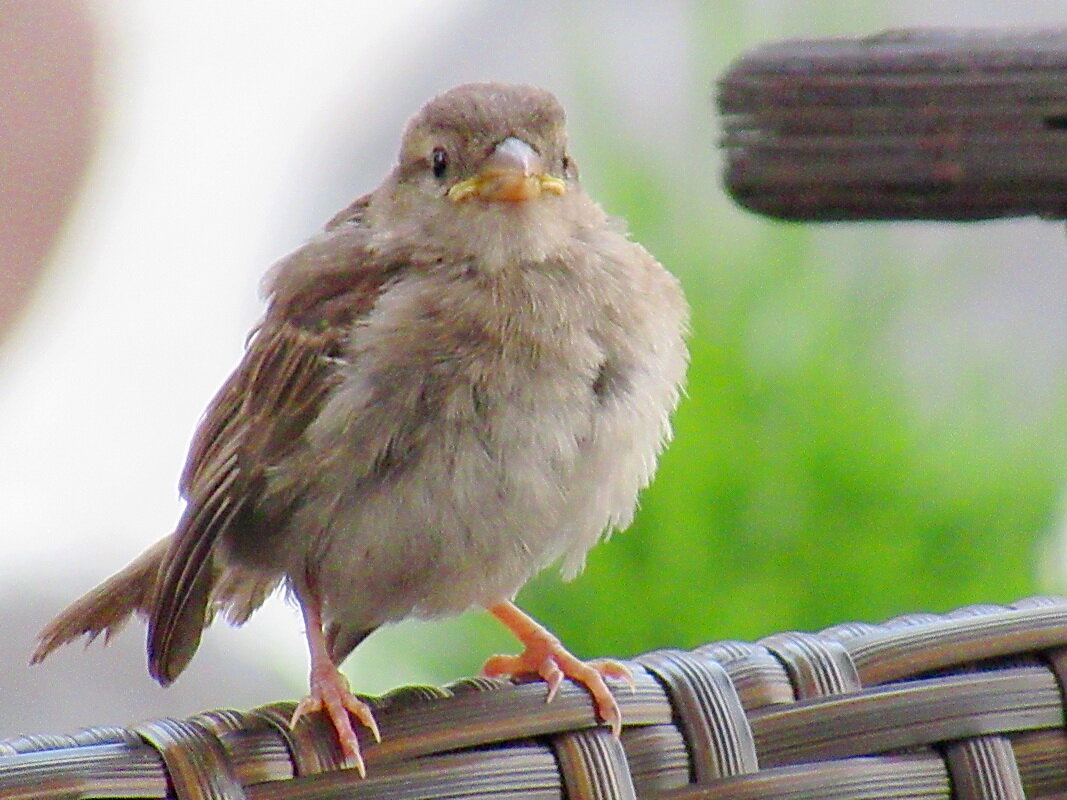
column 919, row 124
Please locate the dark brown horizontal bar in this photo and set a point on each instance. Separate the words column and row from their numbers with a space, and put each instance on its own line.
column 919, row 124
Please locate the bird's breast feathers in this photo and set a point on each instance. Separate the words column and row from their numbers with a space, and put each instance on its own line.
column 494, row 428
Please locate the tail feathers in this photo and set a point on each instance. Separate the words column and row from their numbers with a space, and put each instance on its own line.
column 107, row 608
column 174, row 630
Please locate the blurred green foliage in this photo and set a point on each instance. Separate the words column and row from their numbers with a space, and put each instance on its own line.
column 803, row 489
column 806, row 485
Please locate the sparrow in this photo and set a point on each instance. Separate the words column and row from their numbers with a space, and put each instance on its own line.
column 467, row 376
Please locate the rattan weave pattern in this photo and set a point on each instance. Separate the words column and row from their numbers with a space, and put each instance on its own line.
column 965, row 705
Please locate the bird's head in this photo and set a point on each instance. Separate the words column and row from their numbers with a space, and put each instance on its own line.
column 486, row 164
column 488, row 143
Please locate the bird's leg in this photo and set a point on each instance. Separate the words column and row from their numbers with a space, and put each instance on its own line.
column 544, row 655
column 330, row 691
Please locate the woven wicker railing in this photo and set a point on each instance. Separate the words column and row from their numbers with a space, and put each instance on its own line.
column 965, row 705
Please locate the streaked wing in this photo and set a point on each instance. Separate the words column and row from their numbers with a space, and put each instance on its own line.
column 254, row 423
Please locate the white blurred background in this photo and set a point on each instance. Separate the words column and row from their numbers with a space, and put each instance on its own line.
column 224, row 134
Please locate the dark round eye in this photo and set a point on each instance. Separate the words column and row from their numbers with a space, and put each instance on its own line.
column 566, row 163
column 439, row 162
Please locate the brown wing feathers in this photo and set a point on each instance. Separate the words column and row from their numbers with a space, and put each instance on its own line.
column 252, row 424
column 278, row 387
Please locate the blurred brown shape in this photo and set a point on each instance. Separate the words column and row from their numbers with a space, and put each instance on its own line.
column 935, row 124
column 47, row 126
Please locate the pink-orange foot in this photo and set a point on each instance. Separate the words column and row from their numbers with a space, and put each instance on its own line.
column 330, row 693
column 544, row 655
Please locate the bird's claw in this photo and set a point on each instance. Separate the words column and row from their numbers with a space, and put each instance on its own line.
column 330, row 693
column 552, row 662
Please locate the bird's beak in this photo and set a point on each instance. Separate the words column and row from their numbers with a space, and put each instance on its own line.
column 512, row 173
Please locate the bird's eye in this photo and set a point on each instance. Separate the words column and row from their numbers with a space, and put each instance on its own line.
column 566, row 163
column 439, row 162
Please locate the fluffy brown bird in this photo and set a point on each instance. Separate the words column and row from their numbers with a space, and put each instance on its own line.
column 467, row 376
